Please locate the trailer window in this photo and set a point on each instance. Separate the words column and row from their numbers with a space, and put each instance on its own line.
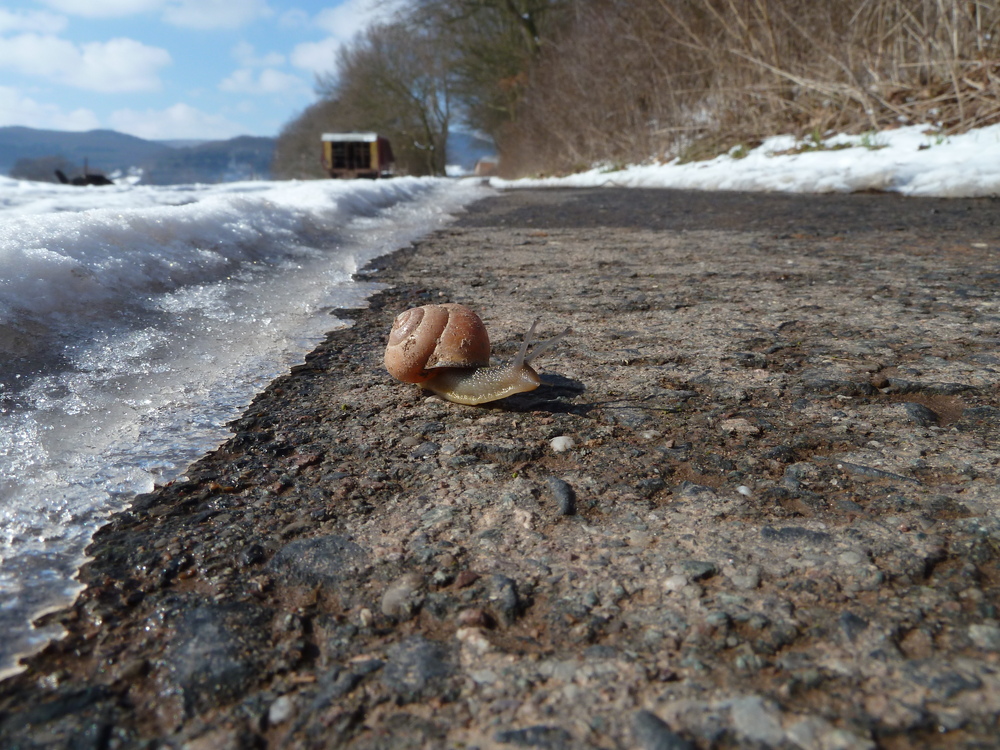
column 350, row 155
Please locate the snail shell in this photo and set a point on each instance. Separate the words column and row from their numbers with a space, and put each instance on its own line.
column 445, row 349
column 427, row 338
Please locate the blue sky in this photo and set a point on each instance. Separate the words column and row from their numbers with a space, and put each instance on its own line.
column 166, row 69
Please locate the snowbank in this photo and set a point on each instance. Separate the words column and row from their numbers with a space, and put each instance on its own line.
column 910, row 160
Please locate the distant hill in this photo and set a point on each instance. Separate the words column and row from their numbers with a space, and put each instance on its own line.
column 163, row 163
column 182, row 142
column 106, row 150
column 242, row 158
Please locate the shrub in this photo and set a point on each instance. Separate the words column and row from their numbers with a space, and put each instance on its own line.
column 626, row 81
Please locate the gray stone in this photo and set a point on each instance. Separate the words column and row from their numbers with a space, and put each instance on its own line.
column 564, row 496
column 756, row 721
column 505, row 597
column 281, row 710
column 697, row 570
column 214, row 652
column 652, row 733
column 794, row 534
column 401, row 598
column 851, row 625
column 986, row 636
column 920, row 414
column 319, row 561
column 418, row 669
column 553, row 738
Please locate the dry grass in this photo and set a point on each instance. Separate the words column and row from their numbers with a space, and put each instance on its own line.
column 627, row 81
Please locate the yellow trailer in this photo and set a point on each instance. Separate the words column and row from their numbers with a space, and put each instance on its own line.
column 357, row 155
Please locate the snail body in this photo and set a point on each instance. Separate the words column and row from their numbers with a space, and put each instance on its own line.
column 446, row 349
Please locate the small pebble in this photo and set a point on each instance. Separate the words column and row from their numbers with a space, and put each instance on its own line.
column 985, row 636
column 739, row 426
column 652, row 733
column 474, row 618
column 215, row 739
column 564, row 495
column 675, row 583
column 539, row 736
column 399, row 599
column 561, row 444
column 850, row 557
column 757, row 721
column 920, row 414
column 280, row 711
column 746, row 578
column 466, row 578
column 474, row 639
column 696, row 570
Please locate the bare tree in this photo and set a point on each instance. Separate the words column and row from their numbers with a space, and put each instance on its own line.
column 394, row 78
column 495, row 43
column 406, row 78
column 297, row 152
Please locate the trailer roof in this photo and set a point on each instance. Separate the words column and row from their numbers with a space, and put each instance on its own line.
column 366, row 137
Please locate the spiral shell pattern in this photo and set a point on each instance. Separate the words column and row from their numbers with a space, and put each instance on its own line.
column 434, row 336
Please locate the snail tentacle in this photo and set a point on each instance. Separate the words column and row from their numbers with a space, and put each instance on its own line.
column 543, row 346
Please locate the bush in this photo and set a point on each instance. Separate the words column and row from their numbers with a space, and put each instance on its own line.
column 630, row 81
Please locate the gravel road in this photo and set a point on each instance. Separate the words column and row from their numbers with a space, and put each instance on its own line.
column 754, row 504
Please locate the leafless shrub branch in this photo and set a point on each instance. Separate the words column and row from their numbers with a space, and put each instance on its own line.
column 627, row 80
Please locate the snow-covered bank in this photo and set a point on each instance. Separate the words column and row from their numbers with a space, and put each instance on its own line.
column 135, row 322
column 909, row 160
column 61, row 269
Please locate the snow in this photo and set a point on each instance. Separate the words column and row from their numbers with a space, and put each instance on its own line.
column 911, row 160
column 136, row 321
column 106, row 247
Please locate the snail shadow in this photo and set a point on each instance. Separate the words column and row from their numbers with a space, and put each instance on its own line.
column 554, row 396
column 558, row 395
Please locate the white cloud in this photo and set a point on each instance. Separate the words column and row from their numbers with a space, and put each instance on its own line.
column 347, row 19
column 35, row 20
column 215, row 14
column 316, row 57
column 179, row 121
column 247, row 56
column 16, row 109
column 117, row 65
column 121, row 65
column 103, row 8
column 193, row 14
column 295, row 18
column 342, row 23
column 267, row 81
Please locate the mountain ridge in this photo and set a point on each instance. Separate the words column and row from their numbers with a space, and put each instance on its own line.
column 166, row 162
column 162, row 162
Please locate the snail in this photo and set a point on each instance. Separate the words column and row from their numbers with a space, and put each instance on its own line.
column 446, row 349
